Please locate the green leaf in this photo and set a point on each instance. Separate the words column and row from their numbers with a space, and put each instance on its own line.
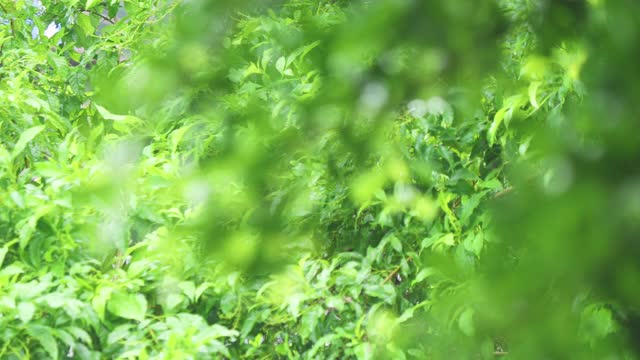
column 128, row 306
column 493, row 184
column 84, row 23
column 26, row 311
column 465, row 322
column 535, row 67
column 122, row 123
column 172, row 301
column 364, row 351
column 469, row 204
column 493, row 129
column 446, row 239
column 309, row 321
column 201, row 289
column 3, row 253
column 91, row 3
column 25, row 139
column 99, row 301
column 427, row 242
column 423, row 274
column 474, row 243
column 301, row 52
column 189, row 289
column 119, row 333
column 80, row 334
column 107, row 115
column 44, row 335
column 510, row 105
column 281, row 63
column 533, row 90
column 596, row 322
column 408, row 314
column 384, row 292
column 27, row 226
column 54, row 300
column 395, row 243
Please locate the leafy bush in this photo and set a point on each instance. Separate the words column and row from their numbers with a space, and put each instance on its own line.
column 329, row 179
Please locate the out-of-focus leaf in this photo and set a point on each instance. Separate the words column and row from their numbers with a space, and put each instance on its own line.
column 91, row 3
column 26, row 311
column 128, row 306
column 25, row 138
column 44, row 335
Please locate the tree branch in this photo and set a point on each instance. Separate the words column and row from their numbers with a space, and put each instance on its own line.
column 4, row 9
column 105, row 18
column 395, row 271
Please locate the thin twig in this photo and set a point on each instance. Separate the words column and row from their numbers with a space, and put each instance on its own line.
column 395, row 271
column 105, row 18
column 510, row 189
column 504, row 192
column 4, row 9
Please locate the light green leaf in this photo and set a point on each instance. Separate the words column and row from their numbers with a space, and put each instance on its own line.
column 309, row 321
column 395, row 243
column 384, row 292
column 122, row 123
column 364, row 351
column 533, row 90
column 535, row 67
column 189, row 289
column 596, row 322
column 493, row 129
column 493, row 184
column 266, row 58
column 26, row 311
column 172, row 301
column 447, row 239
column 99, row 302
column 408, row 314
column 3, row 253
column 119, row 333
column 469, row 204
column 301, row 52
column 107, row 115
column 27, row 226
column 465, row 322
column 44, row 335
column 80, row 334
column 201, row 289
column 84, row 22
column 423, row 274
column 474, row 243
column 128, row 306
column 218, row 331
column 281, row 64
column 25, row 139
column 91, row 3
column 55, row 300
column 510, row 105
column 177, row 136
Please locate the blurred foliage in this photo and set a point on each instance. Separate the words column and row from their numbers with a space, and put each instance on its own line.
column 191, row 179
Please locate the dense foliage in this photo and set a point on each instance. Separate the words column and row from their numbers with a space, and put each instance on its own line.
column 187, row 179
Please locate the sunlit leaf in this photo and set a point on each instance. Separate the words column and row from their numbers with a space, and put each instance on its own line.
column 128, row 306
column 25, row 138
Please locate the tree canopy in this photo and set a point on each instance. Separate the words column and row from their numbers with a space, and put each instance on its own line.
column 401, row 179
